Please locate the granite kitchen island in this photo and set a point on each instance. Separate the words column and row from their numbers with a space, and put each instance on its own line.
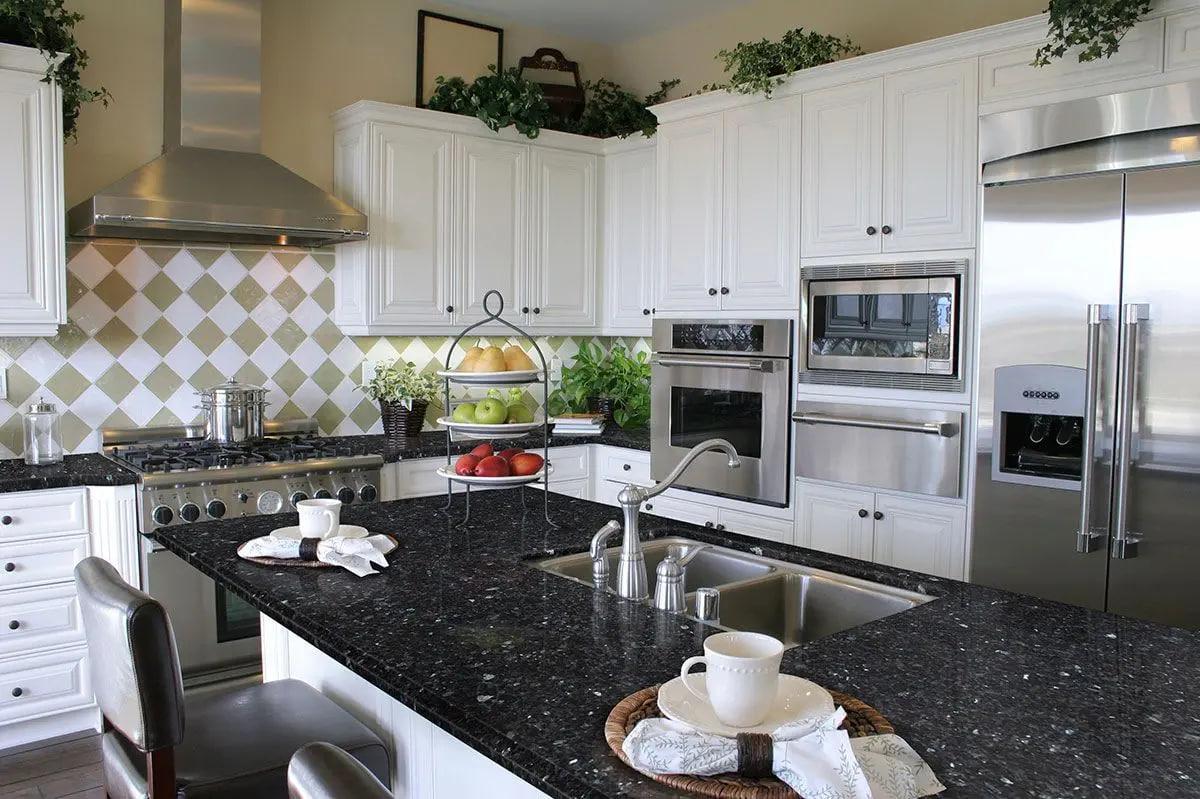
column 1004, row 695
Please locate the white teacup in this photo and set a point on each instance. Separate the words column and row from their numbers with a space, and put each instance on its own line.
column 319, row 518
column 742, row 680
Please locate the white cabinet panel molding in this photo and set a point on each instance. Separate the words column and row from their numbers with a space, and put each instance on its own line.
column 836, row 520
column 112, row 514
column 629, row 218
column 562, row 281
column 1183, row 41
column 921, row 536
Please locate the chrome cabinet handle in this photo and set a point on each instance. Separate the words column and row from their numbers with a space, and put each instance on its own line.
column 1124, row 543
column 1087, row 539
column 720, row 363
column 944, row 429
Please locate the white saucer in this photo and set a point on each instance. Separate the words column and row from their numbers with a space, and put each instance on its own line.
column 345, row 531
column 799, row 699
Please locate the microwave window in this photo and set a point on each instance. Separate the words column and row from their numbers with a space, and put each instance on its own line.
column 872, row 325
column 698, row 414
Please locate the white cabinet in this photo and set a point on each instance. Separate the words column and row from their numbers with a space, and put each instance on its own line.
column 562, row 282
column 888, row 163
column 629, row 214
column 32, row 245
column 905, row 532
column 1183, row 41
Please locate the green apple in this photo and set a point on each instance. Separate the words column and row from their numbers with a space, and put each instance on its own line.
column 490, row 411
column 519, row 414
column 465, row 412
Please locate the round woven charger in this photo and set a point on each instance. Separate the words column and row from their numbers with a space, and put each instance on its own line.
column 303, row 564
column 861, row 719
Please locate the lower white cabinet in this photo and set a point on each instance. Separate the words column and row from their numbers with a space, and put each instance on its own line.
column 905, row 532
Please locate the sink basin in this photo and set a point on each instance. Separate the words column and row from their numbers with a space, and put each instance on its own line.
column 791, row 602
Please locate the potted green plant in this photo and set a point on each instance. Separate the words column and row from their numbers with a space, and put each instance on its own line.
column 616, row 384
column 403, row 395
column 498, row 99
column 758, row 67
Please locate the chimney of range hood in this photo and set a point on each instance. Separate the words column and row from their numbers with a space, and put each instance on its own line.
column 212, row 184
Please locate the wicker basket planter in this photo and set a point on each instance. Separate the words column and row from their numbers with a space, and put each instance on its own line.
column 400, row 423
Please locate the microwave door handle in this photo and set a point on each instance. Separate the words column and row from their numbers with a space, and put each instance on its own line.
column 1124, row 543
column 944, row 429
column 746, row 364
column 1087, row 538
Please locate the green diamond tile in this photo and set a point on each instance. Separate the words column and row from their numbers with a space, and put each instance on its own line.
column 162, row 382
column 161, row 255
column 249, row 256
column 325, row 260
column 329, row 416
column 114, row 290
column 206, row 292
column 364, row 343
column 162, row 336
column 289, row 377
column 365, row 414
column 248, row 336
column 68, row 339
column 290, row 411
column 118, row 418
column 14, row 346
column 432, row 342
column 328, row 336
column 206, row 376
column 12, row 434
column 401, row 343
column 249, row 373
column 21, row 386
column 114, row 253
column 249, row 293
column 288, row 293
column 206, row 335
column 161, row 291
column 206, row 256
column 75, row 289
column 289, row 336
column 74, row 431
column 289, row 259
column 328, row 376
column 116, row 336
column 164, row 418
column 323, row 295
column 117, row 382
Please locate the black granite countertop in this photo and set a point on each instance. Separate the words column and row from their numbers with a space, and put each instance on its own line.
column 1004, row 695
column 433, row 443
column 75, row 470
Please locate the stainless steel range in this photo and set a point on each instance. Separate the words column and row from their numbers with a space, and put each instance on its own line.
column 186, row 479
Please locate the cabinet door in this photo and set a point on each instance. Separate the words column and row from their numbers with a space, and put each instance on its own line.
column 922, row 536
column 760, row 263
column 929, row 155
column 32, row 256
column 757, row 525
column 491, row 224
column 681, row 510
column 411, row 226
column 836, row 520
column 841, row 172
column 629, row 240
column 562, row 285
column 689, row 215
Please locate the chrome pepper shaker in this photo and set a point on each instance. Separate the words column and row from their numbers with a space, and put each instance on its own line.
column 43, row 439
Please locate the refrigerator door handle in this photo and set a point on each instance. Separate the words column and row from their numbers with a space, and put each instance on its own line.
column 1087, row 538
column 1125, row 543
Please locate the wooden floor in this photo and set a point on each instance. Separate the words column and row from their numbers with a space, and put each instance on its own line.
column 69, row 770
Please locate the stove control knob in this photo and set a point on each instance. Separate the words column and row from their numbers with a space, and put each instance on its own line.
column 368, row 493
column 346, row 495
column 162, row 515
column 215, row 508
column 323, row 493
column 270, row 502
column 298, row 497
column 189, row 512
column 243, row 496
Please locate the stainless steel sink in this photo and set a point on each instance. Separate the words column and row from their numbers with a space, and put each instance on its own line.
column 790, row 602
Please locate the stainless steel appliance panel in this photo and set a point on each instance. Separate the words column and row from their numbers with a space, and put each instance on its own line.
column 1161, row 494
column 902, row 449
column 1050, row 256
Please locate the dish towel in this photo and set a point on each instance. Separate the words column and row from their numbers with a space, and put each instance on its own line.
column 353, row 554
column 814, row 757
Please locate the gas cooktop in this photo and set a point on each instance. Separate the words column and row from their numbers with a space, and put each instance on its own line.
column 184, row 455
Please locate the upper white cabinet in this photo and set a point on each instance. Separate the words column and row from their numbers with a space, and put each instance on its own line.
column 562, row 283
column 32, row 245
column 888, row 163
column 629, row 214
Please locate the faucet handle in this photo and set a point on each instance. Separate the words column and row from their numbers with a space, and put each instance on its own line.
column 599, row 555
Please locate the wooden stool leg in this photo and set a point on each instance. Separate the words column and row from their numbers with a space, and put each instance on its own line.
column 160, row 774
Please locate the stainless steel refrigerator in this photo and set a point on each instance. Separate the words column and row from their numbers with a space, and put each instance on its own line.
column 1087, row 487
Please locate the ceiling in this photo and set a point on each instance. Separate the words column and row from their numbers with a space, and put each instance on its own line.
column 605, row 21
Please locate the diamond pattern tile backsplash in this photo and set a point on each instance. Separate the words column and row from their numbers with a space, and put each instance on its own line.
column 148, row 325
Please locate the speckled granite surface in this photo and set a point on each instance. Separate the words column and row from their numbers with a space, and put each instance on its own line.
column 1005, row 695
column 433, row 443
column 75, row 470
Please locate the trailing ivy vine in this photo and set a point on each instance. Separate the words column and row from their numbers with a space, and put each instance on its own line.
column 497, row 99
column 758, row 67
column 613, row 111
column 1096, row 27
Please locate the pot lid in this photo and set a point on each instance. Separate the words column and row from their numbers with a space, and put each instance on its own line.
column 231, row 388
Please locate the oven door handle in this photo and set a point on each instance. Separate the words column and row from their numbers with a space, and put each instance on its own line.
column 943, row 429
column 746, row 364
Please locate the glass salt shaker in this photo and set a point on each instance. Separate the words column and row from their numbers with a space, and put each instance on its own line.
column 43, row 440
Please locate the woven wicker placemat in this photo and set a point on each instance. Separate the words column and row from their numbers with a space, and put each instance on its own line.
column 861, row 719
column 304, row 564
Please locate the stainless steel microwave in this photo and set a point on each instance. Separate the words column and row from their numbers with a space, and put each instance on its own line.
column 898, row 323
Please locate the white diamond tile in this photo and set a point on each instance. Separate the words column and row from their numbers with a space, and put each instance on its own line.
column 309, row 397
column 183, row 269
column 268, row 273
column 346, row 356
column 92, row 359
column 309, row 356
column 228, row 314
column 41, row 361
column 139, row 313
column 93, row 406
column 183, row 403
column 90, row 313
column 140, row 405
column 269, row 357
column 227, row 270
column 184, row 314
column 185, row 358
column 309, row 315
column 140, row 359
column 308, row 273
column 138, row 268
column 228, row 358
column 269, row 315
column 89, row 266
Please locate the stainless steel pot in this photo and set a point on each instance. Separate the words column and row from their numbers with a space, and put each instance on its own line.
column 233, row 412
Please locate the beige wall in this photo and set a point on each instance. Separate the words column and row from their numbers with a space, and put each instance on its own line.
column 688, row 51
column 318, row 55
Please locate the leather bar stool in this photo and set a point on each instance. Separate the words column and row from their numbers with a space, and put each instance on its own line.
column 323, row 771
column 236, row 742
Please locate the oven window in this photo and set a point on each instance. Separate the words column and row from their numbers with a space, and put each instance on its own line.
column 873, row 325
column 698, row 414
column 236, row 618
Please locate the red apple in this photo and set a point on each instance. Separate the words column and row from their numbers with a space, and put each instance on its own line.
column 483, row 451
column 508, row 453
column 465, row 465
column 493, row 466
column 525, row 463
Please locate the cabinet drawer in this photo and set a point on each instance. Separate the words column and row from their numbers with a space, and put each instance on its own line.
column 38, row 562
column 570, row 463
column 419, row 478
column 624, row 465
column 580, row 489
column 26, row 514
column 36, row 618
column 766, row 527
column 41, row 684
column 671, row 508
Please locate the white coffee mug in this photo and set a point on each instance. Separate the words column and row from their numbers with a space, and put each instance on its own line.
column 319, row 518
column 742, row 679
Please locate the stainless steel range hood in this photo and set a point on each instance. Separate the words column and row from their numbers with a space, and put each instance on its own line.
column 211, row 184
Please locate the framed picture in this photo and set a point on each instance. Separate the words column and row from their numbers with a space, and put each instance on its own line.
column 454, row 47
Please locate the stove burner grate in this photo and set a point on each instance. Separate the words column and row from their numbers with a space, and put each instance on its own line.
column 177, row 456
